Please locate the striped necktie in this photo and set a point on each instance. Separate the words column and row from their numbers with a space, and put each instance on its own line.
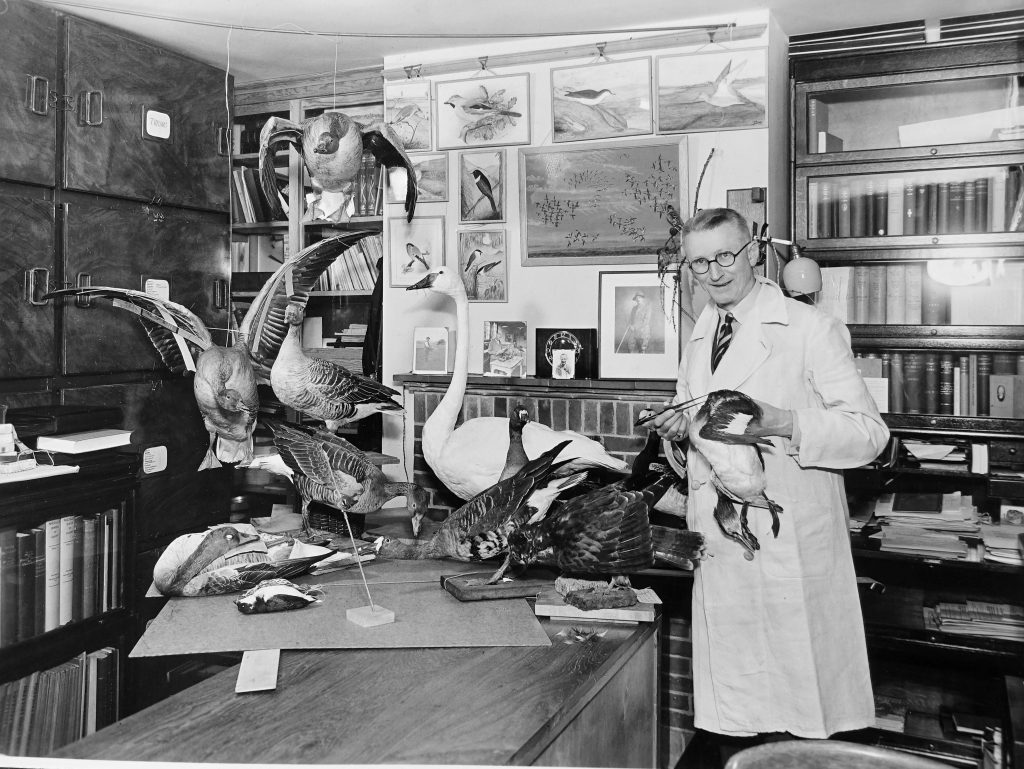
column 722, row 340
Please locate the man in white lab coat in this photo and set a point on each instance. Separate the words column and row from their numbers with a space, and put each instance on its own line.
column 778, row 641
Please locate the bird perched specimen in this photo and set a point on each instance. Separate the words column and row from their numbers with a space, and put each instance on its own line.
column 224, row 383
column 327, row 468
column 470, row 459
column 476, row 531
column 331, row 146
column 516, row 457
column 322, row 388
column 724, row 431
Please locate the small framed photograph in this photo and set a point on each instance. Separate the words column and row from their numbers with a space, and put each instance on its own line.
column 431, row 350
column 415, row 248
column 483, row 112
column 431, row 178
column 637, row 339
column 504, row 348
column 482, row 186
column 603, row 100
column 566, row 353
column 483, row 265
column 407, row 112
column 711, row 91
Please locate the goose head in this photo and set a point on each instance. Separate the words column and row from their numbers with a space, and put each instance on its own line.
column 294, row 314
column 416, row 503
column 442, row 281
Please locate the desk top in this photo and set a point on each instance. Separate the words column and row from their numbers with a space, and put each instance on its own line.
column 496, row 705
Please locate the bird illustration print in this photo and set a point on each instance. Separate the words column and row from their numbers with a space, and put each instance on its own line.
column 484, row 115
column 473, row 270
column 722, row 92
column 331, row 146
column 416, row 256
column 724, row 431
column 486, row 192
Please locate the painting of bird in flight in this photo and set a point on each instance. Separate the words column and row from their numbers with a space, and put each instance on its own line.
column 711, row 91
column 598, row 101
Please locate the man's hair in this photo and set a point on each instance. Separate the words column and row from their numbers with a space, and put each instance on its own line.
column 713, row 218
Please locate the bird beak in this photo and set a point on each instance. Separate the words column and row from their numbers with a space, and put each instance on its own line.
column 417, row 523
column 426, row 282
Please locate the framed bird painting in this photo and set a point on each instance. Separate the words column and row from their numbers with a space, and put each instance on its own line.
column 431, row 179
column 711, row 91
column 407, row 112
column 483, row 112
column 482, row 186
column 483, row 265
column 414, row 248
column 598, row 101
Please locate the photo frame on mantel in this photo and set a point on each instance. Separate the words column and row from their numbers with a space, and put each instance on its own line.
column 566, row 353
column 636, row 337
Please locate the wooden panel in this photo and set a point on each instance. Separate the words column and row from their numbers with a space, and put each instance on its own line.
column 26, row 242
column 122, row 245
column 29, row 41
column 113, row 158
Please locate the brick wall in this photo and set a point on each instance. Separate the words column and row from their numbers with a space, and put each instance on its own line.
column 605, row 411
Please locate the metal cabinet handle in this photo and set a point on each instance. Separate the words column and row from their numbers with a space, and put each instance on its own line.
column 85, row 108
column 37, row 283
column 83, row 280
column 220, row 294
column 38, row 85
column 223, row 145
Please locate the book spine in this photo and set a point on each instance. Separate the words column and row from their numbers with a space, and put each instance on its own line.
column 981, row 204
column 1013, row 195
column 970, row 206
column 826, row 211
column 861, row 295
column 894, row 214
column 897, row 387
column 876, row 293
column 942, row 215
column 909, row 216
column 843, row 219
column 880, row 206
column 956, row 207
column 921, row 208
column 26, row 553
column 957, row 402
column 946, row 384
column 964, row 370
column 39, row 542
column 997, row 202
column 984, row 372
column 913, row 382
column 817, row 121
column 858, row 212
column 932, row 208
column 88, row 603
column 930, row 389
column 914, row 278
column 813, row 209
column 67, row 568
column 52, row 601
column 934, row 301
column 869, row 206
column 8, row 587
column 1020, row 364
column 896, row 293
column 1004, row 363
column 972, row 384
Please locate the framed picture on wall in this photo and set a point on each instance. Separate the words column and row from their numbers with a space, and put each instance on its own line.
column 483, row 112
column 431, row 178
column 415, row 248
column 598, row 101
column 637, row 338
column 599, row 203
column 482, row 186
column 483, row 265
column 711, row 91
column 407, row 112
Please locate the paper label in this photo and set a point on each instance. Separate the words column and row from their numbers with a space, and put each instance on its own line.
column 158, row 124
column 154, row 459
column 161, row 289
column 646, row 595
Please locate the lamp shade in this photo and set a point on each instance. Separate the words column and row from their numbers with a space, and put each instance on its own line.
column 801, row 276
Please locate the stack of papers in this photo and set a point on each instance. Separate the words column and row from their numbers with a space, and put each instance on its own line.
column 928, row 524
column 1002, row 543
column 936, row 456
column 977, row 618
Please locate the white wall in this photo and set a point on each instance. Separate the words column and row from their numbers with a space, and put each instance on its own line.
column 559, row 296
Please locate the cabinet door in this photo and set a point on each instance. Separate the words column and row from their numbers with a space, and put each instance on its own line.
column 29, row 41
column 147, row 123
column 124, row 245
column 26, row 263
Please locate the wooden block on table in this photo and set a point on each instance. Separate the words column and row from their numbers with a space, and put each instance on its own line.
column 258, row 671
column 472, row 587
column 551, row 604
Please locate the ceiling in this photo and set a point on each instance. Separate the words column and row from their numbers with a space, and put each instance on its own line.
column 264, row 55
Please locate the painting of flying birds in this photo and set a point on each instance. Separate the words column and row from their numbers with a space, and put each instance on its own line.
column 711, row 91
column 431, row 179
column 598, row 101
column 416, row 248
column 483, row 265
column 482, row 186
column 483, row 112
column 407, row 113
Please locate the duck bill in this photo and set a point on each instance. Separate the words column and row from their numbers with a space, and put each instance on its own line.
column 426, row 282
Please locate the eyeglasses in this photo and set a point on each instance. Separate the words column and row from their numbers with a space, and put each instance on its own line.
column 724, row 259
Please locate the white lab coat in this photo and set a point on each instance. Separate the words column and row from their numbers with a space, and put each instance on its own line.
column 778, row 642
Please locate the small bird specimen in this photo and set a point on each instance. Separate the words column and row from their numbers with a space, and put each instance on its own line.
column 331, row 146
column 277, row 595
column 329, row 469
column 725, row 432
column 486, row 190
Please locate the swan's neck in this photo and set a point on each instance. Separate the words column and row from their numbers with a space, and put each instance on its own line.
column 441, row 422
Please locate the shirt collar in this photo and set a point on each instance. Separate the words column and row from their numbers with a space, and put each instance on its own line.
column 741, row 312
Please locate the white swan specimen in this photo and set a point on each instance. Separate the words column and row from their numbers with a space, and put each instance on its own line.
column 470, row 459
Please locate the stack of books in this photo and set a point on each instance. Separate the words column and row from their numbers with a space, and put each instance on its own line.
column 927, row 524
column 84, row 442
column 977, row 618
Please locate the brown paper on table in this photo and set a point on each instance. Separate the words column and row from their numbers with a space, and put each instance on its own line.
column 425, row 616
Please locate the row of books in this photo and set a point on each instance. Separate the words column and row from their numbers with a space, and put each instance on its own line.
column 49, row 709
column 248, row 201
column 850, row 207
column 355, row 269
column 367, row 191
column 954, row 384
column 64, row 570
column 977, row 618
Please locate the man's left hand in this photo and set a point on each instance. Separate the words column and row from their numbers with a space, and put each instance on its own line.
column 774, row 421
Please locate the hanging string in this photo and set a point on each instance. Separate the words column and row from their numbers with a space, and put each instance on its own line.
column 335, row 73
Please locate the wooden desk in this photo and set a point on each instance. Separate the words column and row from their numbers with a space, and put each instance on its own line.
column 571, row 705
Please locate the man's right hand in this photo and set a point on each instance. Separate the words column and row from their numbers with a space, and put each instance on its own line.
column 671, row 425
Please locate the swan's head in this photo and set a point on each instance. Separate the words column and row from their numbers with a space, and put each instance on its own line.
column 443, row 281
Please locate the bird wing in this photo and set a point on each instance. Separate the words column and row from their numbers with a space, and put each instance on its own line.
column 346, row 456
column 304, row 454
column 168, row 324
column 274, row 132
column 489, row 266
column 387, row 148
column 334, row 382
column 731, row 424
column 263, row 328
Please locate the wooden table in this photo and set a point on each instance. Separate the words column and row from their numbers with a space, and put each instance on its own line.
column 591, row 704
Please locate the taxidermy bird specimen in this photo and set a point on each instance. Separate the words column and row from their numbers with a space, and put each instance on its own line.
column 327, row 468
column 331, row 146
column 224, row 383
column 725, row 433
column 477, row 530
column 472, row 272
column 516, row 457
column 470, row 458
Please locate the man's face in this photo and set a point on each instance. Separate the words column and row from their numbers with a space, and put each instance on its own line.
column 726, row 285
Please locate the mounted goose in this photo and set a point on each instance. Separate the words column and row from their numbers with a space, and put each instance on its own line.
column 470, row 459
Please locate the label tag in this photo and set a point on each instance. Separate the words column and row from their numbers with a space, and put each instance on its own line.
column 159, row 288
column 154, row 459
column 646, row 595
column 158, row 124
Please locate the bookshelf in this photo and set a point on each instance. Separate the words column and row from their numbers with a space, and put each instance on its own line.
column 908, row 190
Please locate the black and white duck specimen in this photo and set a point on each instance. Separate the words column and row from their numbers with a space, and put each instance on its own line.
column 331, row 146
column 725, row 432
column 329, row 469
column 224, row 383
column 477, row 530
column 469, row 459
